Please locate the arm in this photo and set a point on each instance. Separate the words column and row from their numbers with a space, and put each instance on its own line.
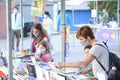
column 80, row 64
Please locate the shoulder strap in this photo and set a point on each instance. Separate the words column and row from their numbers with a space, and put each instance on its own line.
column 101, row 65
column 99, row 61
column 104, row 46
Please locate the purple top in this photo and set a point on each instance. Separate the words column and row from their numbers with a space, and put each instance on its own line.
column 46, row 57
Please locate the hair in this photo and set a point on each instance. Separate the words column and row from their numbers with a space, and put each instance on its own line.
column 87, row 47
column 85, row 31
column 47, row 13
column 15, row 7
column 46, row 45
column 42, row 32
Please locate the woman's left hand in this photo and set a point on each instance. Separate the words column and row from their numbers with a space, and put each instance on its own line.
column 58, row 65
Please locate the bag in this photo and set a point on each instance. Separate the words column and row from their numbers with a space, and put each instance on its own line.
column 114, row 65
column 3, row 60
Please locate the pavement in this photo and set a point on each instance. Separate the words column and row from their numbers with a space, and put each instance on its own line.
column 76, row 52
column 75, row 49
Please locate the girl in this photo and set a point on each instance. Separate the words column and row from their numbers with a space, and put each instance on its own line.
column 43, row 52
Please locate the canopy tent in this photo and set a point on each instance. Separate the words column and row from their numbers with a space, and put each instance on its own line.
column 9, row 39
column 9, row 33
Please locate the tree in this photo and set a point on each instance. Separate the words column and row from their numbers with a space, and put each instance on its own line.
column 110, row 6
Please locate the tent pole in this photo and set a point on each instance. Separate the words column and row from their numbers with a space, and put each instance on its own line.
column 9, row 39
column 63, row 25
column 21, row 11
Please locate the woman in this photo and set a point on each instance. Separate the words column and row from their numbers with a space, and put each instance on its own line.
column 38, row 34
column 86, row 37
column 49, row 27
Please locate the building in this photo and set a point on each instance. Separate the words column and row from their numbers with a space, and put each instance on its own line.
column 3, row 28
column 2, row 20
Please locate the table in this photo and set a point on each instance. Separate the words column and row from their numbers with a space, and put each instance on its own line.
column 44, row 71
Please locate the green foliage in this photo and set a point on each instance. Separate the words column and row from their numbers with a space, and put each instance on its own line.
column 109, row 5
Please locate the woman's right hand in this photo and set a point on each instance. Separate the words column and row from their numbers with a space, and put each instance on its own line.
column 25, row 50
column 58, row 64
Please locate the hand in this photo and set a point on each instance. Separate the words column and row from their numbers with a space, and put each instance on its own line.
column 83, row 72
column 25, row 50
column 58, row 65
column 38, row 59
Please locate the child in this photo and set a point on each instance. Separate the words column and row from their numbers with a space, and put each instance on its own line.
column 88, row 69
column 43, row 52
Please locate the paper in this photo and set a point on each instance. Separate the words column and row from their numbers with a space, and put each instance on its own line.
column 39, row 73
column 33, row 60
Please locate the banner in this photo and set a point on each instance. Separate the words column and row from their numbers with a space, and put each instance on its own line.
column 66, row 40
column 106, row 35
column 36, row 8
column 93, row 13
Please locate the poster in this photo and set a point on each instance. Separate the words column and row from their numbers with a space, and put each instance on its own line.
column 93, row 13
column 66, row 40
column 36, row 8
column 106, row 35
column 53, row 75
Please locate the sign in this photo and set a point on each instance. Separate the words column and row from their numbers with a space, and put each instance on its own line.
column 36, row 8
column 94, row 13
column 106, row 35
column 66, row 40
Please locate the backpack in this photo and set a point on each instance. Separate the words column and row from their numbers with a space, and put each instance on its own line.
column 114, row 61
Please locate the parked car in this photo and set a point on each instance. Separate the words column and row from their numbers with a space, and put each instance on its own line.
column 27, row 28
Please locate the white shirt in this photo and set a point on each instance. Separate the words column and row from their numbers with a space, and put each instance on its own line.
column 48, row 25
column 16, row 24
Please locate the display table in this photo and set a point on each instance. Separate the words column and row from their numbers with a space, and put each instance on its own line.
column 41, row 71
column 23, row 77
column 47, row 71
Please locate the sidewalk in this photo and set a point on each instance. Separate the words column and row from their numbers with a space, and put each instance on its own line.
column 75, row 49
column 75, row 53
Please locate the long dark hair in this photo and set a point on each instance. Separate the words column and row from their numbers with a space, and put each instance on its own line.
column 42, row 32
